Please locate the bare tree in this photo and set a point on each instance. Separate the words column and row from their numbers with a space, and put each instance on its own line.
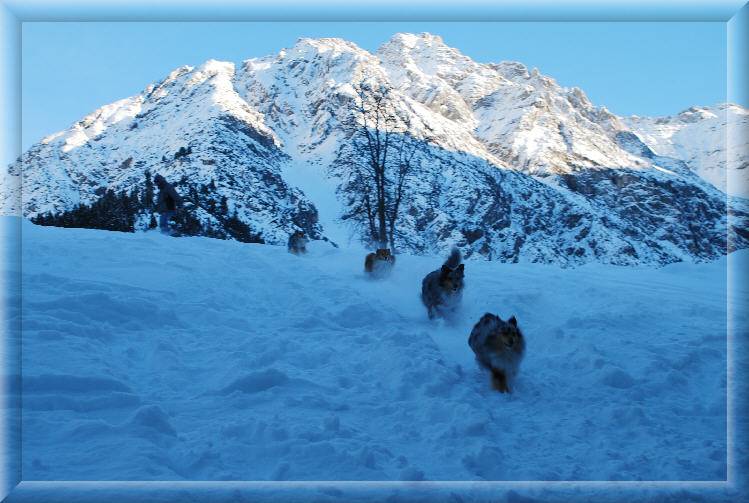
column 406, row 150
column 380, row 156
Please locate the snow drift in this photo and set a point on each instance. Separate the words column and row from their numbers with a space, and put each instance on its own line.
column 201, row 359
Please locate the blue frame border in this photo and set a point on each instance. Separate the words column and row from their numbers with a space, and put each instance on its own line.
column 12, row 487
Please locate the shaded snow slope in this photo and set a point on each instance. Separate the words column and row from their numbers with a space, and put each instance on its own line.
column 193, row 358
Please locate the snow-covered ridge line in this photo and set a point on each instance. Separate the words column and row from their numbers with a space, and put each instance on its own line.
column 515, row 167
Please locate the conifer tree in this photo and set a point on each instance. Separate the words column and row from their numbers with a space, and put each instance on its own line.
column 148, row 193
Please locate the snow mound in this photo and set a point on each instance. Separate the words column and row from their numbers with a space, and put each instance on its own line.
column 256, row 382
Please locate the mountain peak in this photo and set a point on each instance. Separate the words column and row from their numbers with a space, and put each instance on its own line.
column 216, row 66
column 307, row 45
column 510, row 69
column 413, row 39
column 425, row 45
column 695, row 113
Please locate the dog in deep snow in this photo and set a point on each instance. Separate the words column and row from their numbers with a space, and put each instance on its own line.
column 442, row 290
column 298, row 243
column 380, row 263
column 499, row 347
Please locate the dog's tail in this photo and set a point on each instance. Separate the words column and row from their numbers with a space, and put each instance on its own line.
column 454, row 259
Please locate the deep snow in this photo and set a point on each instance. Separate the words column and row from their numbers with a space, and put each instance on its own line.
column 156, row 358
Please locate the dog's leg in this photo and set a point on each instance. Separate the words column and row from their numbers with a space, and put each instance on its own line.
column 499, row 381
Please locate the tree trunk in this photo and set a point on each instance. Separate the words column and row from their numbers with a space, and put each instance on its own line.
column 381, row 211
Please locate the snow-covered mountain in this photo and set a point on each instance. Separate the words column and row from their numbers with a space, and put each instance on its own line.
column 195, row 107
column 510, row 165
column 713, row 141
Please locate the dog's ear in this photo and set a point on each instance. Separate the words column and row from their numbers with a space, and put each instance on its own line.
column 512, row 321
column 445, row 270
column 461, row 268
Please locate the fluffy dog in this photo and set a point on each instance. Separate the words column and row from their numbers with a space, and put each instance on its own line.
column 442, row 290
column 380, row 263
column 499, row 346
column 298, row 243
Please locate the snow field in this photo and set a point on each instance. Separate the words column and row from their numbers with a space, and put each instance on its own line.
column 153, row 358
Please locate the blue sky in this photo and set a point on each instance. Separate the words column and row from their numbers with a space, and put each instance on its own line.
column 644, row 68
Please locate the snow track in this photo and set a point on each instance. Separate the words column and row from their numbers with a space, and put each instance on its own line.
column 155, row 358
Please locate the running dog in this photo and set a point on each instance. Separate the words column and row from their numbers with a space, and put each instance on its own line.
column 298, row 243
column 499, row 346
column 380, row 263
column 442, row 290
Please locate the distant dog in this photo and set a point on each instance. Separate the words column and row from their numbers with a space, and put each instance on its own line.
column 380, row 263
column 442, row 290
column 499, row 346
column 298, row 243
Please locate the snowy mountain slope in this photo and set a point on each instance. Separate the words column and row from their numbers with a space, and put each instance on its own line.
column 150, row 349
column 193, row 107
column 304, row 92
column 524, row 118
column 621, row 216
column 510, row 165
column 713, row 141
column 490, row 212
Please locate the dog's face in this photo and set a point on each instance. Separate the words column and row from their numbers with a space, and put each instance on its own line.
column 507, row 335
column 300, row 237
column 383, row 253
column 452, row 279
